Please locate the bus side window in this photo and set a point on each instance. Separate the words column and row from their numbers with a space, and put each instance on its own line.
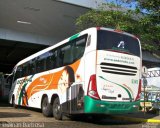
column 79, row 47
column 31, row 67
column 40, row 64
column 49, row 61
column 18, row 73
column 25, row 69
column 54, row 58
column 68, row 56
column 60, row 58
column 65, row 55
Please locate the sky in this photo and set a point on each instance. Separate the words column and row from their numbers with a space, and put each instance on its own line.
column 131, row 6
column 95, row 3
column 85, row 3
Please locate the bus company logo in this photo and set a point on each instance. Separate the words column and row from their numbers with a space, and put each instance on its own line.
column 121, row 44
column 23, row 81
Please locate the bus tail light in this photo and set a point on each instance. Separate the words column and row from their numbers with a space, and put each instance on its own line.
column 92, row 88
column 139, row 90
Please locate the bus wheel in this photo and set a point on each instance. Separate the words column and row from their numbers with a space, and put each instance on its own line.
column 46, row 107
column 57, row 110
column 13, row 103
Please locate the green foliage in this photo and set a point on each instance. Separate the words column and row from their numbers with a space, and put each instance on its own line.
column 150, row 23
column 112, row 19
column 145, row 26
column 151, row 6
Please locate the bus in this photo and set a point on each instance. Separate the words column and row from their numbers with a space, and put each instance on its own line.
column 4, row 87
column 151, row 91
column 151, row 102
column 96, row 71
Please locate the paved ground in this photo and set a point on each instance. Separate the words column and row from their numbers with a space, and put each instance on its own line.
column 140, row 117
column 23, row 117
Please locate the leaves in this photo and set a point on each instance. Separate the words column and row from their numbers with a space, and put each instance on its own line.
column 112, row 19
column 113, row 15
column 152, row 6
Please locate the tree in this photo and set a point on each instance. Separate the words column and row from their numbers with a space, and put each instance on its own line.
column 113, row 15
column 112, row 19
column 150, row 6
column 150, row 23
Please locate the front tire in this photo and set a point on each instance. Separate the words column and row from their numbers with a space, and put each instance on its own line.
column 57, row 110
column 46, row 107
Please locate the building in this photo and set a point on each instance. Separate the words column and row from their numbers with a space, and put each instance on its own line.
column 29, row 26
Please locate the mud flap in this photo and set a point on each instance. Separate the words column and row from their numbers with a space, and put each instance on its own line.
column 75, row 100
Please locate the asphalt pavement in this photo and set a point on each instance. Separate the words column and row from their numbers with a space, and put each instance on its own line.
column 136, row 117
column 140, row 117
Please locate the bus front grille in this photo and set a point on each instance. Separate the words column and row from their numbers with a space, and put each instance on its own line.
column 118, row 69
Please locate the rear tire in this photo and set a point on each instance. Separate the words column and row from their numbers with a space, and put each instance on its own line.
column 46, row 107
column 57, row 110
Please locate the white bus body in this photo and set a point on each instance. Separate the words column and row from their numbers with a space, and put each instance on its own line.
column 96, row 71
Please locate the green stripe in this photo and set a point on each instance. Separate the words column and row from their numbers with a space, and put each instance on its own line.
column 74, row 36
column 118, row 85
column 21, row 94
column 23, row 87
column 109, row 107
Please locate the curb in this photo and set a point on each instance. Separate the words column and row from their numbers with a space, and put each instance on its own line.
column 132, row 119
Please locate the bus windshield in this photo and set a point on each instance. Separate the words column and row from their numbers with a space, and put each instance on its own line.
column 113, row 41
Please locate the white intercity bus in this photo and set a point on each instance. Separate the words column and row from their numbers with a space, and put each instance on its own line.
column 4, row 86
column 96, row 71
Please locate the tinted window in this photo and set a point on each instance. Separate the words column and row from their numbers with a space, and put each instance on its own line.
column 79, row 47
column 54, row 58
column 66, row 55
column 18, row 73
column 40, row 63
column 25, row 69
column 72, row 51
column 50, row 60
column 61, row 56
column 108, row 40
column 32, row 67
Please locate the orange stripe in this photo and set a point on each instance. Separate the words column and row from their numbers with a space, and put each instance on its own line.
column 48, row 82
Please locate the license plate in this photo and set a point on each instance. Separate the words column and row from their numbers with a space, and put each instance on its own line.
column 147, row 104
